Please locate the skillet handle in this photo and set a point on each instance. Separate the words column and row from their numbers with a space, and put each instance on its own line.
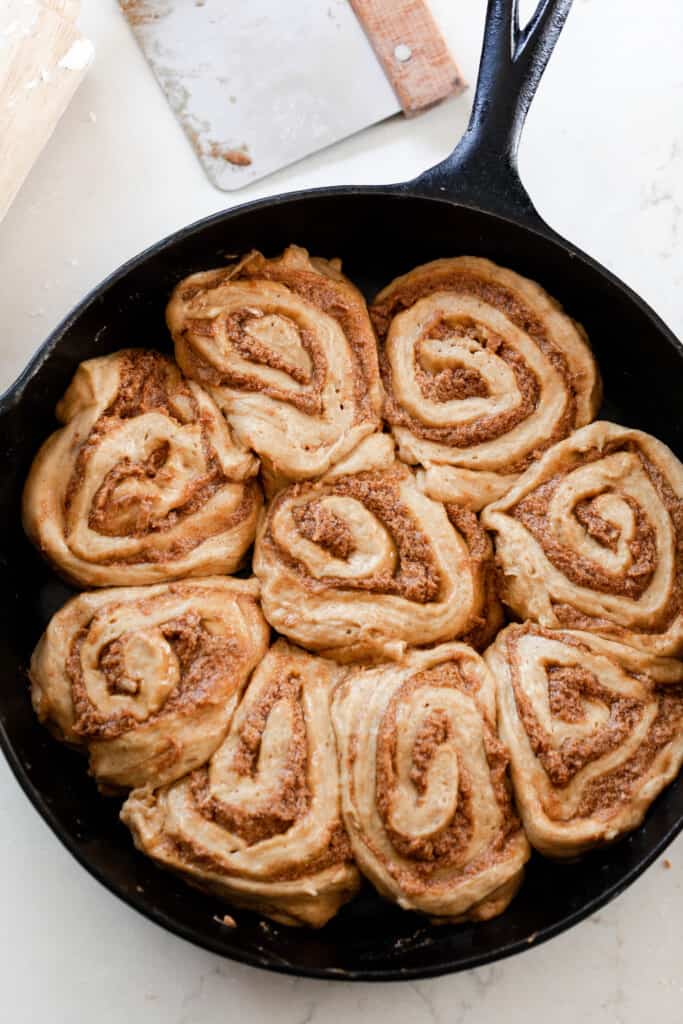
column 482, row 169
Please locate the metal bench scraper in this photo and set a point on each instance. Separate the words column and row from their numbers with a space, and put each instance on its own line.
column 258, row 85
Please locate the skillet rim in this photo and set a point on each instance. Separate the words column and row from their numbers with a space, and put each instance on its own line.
column 403, row 191
column 12, row 396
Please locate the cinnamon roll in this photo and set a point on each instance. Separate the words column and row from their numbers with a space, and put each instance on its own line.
column 147, row 678
column 591, row 538
column 425, row 794
column 361, row 564
column 594, row 730
column 286, row 348
column 482, row 371
column 144, row 482
column 261, row 823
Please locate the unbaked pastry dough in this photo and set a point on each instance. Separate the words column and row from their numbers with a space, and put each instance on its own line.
column 425, row 794
column 591, row 537
column 483, row 371
column 261, row 823
column 147, row 678
column 144, row 482
column 594, row 730
column 286, row 348
column 362, row 564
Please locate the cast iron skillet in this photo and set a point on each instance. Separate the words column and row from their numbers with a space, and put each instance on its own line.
column 472, row 203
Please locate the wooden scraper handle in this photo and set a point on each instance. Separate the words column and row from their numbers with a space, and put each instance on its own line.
column 412, row 51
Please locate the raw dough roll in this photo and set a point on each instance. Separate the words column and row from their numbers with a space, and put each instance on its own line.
column 594, row 730
column 144, row 482
column 591, row 537
column 261, row 823
column 425, row 793
column 362, row 564
column 286, row 348
column 147, row 678
column 483, row 371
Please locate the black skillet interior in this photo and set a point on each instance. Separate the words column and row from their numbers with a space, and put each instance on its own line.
column 378, row 233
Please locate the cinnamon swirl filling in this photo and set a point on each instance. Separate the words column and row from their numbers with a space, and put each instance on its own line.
column 144, row 482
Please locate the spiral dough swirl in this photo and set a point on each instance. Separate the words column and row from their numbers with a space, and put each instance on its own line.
column 144, row 482
column 286, row 348
column 482, row 371
column 591, row 537
column 362, row 563
column 147, row 678
column 261, row 823
column 425, row 794
column 594, row 730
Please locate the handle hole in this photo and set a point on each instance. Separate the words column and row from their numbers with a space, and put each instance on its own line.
column 526, row 10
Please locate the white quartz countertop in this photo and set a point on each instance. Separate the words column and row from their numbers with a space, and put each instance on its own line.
column 603, row 160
